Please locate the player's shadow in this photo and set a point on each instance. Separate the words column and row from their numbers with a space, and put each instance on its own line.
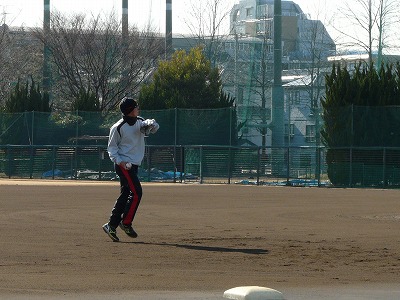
column 208, row 248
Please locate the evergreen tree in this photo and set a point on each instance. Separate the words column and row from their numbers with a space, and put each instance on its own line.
column 358, row 112
column 86, row 101
column 27, row 98
column 186, row 81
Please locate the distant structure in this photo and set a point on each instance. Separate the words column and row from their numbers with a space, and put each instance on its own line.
column 246, row 61
column 277, row 104
column 277, row 76
column 255, row 18
column 168, row 28
column 46, row 51
column 304, row 44
column 124, row 19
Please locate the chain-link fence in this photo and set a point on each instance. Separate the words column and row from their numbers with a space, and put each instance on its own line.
column 294, row 166
column 202, row 146
column 178, row 127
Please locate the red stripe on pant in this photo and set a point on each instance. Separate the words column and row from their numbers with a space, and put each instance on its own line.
column 132, row 210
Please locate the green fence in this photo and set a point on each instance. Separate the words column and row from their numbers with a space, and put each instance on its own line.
column 72, row 145
column 178, row 127
column 294, row 166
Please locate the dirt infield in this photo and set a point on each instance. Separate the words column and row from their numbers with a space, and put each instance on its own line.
column 195, row 238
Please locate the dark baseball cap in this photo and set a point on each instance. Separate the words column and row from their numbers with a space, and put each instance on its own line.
column 127, row 104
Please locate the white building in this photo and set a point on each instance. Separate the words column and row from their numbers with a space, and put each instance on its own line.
column 306, row 45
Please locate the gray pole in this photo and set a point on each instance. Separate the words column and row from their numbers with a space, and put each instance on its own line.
column 46, row 51
column 124, row 44
column 168, row 29
column 124, row 19
column 277, row 89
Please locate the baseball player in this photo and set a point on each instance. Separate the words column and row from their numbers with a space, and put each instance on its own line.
column 126, row 147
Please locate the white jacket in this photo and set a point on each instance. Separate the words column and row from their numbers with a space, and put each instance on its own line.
column 126, row 142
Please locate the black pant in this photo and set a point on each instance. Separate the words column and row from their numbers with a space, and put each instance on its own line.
column 129, row 199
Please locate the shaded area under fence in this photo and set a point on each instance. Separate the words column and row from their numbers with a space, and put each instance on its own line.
column 290, row 166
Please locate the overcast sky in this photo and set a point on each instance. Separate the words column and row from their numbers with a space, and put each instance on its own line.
column 30, row 12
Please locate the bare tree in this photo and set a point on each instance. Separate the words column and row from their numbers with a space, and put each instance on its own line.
column 19, row 58
column 262, row 77
column 206, row 23
column 374, row 24
column 316, row 45
column 389, row 16
column 92, row 55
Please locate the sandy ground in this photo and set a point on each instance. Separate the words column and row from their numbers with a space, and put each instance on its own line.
column 196, row 241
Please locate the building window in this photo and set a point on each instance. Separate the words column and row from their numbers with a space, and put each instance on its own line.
column 265, row 28
column 287, row 133
column 236, row 15
column 264, row 11
column 310, row 133
column 227, row 46
column 294, row 97
column 249, row 12
column 244, row 46
column 260, row 113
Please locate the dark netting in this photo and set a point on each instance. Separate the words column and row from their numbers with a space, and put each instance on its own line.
column 177, row 127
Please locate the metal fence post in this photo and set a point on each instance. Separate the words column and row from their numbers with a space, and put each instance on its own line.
column 174, row 162
column 175, row 142
column 258, row 164
column 351, row 168
column 31, row 157
column 99, row 164
column 230, row 126
column 384, row 167
column 319, row 165
column 76, row 163
column 201, row 164
column 53, row 161
column 33, row 124
column 287, row 165
column 182, row 166
column 229, row 164
column 176, row 127
column 9, row 161
column 77, row 127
